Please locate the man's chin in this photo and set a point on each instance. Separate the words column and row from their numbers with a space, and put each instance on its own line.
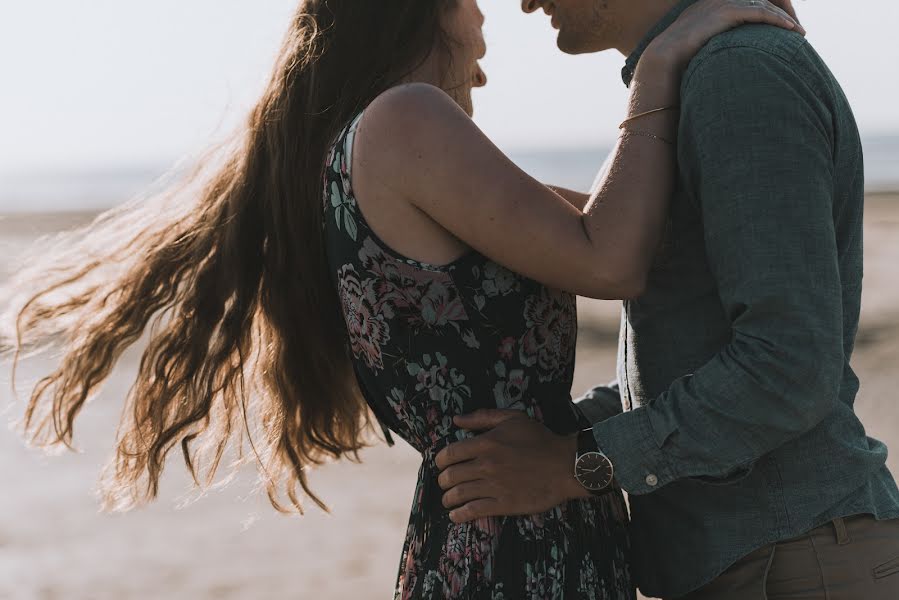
column 571, row 45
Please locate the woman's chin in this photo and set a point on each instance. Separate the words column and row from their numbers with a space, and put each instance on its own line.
column 464, row 100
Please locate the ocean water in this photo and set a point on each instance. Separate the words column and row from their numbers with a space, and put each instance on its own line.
column 79, row 191
column 576, row 169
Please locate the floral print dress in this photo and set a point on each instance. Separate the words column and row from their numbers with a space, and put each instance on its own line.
column 430, row 342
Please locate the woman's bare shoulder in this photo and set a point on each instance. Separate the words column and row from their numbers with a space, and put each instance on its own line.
column 408, row 123
column 411, row 108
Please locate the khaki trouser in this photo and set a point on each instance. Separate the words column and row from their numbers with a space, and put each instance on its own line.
column 856, row 558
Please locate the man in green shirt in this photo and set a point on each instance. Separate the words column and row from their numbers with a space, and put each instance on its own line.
column 747, row 468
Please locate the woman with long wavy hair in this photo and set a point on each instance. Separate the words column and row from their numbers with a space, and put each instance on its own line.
column 361, row 248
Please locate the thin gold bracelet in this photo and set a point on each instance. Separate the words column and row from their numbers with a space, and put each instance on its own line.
column 647, row 113
column 646, row 134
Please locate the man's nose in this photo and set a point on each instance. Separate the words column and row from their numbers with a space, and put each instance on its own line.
column 530, row 6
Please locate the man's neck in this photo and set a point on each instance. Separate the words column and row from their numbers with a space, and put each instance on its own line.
column 647, row 15
column 652, row 22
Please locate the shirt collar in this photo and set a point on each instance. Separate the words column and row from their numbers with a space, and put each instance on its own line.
column 630, row 67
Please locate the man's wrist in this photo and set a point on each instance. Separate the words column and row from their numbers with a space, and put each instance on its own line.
column 572, row 488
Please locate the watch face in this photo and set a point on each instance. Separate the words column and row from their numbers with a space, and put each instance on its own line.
column 594, row 471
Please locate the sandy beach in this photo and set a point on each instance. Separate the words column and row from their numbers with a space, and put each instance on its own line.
column 231, row 545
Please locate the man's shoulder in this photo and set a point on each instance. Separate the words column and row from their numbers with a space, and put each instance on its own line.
column 769, row 39
column 755, row 43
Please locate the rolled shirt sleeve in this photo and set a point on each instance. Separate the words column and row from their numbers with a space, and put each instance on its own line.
column 756, row 154
column 600, row 403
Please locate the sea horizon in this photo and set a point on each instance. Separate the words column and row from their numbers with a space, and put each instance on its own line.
column 77, row 190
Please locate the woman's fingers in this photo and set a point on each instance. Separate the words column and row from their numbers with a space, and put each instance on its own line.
column 774, row 15
column 786, row 5
column 711, row 17
column 737, row 12
column 673, row 50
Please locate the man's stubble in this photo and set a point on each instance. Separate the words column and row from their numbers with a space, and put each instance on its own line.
column 596, row 30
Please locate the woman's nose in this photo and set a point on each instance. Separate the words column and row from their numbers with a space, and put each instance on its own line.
column 480, row 77
column 530, row 6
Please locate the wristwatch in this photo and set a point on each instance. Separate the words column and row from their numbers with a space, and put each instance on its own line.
column 592, row 468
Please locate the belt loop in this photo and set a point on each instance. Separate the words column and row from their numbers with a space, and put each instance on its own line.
column 842, row 533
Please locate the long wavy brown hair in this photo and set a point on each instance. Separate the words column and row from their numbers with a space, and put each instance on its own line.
column 225, row 275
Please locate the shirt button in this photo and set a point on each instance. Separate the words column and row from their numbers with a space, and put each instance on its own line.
column 652, row 480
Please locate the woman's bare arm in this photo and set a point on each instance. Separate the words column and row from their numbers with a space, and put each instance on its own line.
column 576, row 199
column 430, row 154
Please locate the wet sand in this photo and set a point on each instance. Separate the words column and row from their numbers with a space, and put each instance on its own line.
column 231, row 544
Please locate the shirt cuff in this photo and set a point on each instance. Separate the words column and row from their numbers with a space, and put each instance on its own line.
column 639, row 463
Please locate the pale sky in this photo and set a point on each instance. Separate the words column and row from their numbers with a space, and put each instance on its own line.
column 108, row 83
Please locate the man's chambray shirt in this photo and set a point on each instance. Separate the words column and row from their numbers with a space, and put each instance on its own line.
column 738, row 427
